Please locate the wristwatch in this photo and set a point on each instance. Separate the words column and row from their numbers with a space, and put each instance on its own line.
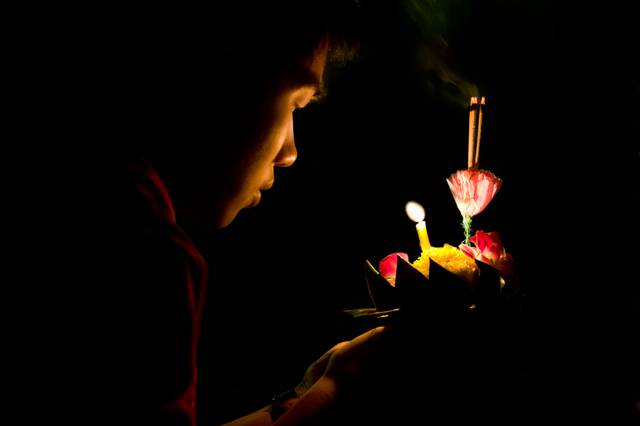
column 281, row 402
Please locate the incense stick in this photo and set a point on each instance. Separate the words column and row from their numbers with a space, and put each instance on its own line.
column 473, row 110
column 478, row 132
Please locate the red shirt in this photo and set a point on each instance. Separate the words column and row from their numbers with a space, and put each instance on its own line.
column 152, row 304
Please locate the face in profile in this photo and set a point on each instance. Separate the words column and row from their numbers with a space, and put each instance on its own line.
column 254, row 172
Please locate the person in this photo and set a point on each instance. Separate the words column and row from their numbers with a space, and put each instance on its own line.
column 197, row 116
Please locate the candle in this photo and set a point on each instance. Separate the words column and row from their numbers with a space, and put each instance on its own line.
column 421, row 227
column 416, row 213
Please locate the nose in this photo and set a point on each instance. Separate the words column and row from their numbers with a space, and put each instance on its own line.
column 288, row 153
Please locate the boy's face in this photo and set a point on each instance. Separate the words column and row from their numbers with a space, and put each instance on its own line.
column 275, row 147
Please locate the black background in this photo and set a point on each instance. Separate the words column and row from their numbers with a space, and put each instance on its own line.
column 560, row 129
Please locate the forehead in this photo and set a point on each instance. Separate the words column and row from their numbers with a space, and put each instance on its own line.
column 309, row 72
column 318, row 59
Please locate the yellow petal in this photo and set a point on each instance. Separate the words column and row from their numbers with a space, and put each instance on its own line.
column 451, row 259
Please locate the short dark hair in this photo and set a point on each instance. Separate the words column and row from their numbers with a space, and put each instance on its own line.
column 296, row 26
column 266, row 41
column 231, row 37
column 141, row 65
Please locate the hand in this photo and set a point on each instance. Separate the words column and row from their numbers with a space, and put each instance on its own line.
column 341, row 365
column 345, row 361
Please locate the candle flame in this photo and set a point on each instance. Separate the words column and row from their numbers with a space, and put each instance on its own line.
column 415, row 211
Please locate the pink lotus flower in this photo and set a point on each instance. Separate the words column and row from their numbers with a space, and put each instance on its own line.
column 389, row 265
column 489, row 249
column 473, row 190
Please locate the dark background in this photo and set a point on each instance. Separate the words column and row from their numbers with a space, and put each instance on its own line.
column 560, row 129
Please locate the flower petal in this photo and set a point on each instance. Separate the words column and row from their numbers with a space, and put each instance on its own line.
column 489, row 249
column 489, row 244
column 389, row 265
column 473, row 190
column 472, row 252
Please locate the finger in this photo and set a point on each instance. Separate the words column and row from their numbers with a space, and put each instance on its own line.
column 367, row 338
column 337, row 347
column 324, row 359
column 354, row 356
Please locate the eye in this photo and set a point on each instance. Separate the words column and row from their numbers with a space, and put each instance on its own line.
column 302, row 98
column 296, row 105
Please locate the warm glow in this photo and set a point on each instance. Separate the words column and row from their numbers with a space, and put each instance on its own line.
column 415, row 211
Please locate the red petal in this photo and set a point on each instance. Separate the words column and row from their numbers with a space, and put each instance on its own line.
column 489, row 244
column 472, row 252
column 389, row 265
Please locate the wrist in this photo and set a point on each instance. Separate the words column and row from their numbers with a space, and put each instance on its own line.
column 282, row 402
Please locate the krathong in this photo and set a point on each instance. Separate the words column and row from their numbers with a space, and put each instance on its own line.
column 469, row 279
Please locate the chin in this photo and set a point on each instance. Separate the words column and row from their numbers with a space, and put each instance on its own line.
column 226, row 219
column 224, row 222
